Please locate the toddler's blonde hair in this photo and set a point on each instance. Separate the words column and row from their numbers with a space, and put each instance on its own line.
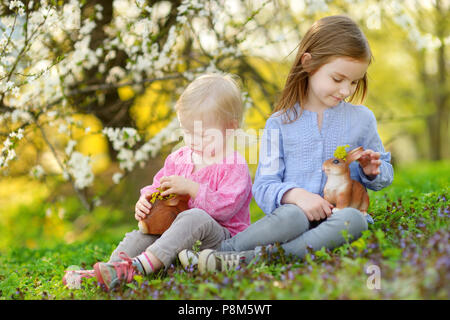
column 213, row 96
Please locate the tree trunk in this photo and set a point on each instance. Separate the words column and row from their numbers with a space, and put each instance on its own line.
column 441, row 89
column 437, row 90
column 112, row 111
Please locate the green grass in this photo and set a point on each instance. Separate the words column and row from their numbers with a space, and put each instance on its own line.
column 409, row 242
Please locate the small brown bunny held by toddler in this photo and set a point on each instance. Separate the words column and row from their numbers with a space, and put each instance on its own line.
column 163, row 212
column 342, row 191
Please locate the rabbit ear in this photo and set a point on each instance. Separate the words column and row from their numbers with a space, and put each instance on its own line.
column 354, row 154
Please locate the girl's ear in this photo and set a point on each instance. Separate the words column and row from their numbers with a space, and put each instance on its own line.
column 305, row 59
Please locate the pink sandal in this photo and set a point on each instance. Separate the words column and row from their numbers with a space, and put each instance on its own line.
column 111, row 274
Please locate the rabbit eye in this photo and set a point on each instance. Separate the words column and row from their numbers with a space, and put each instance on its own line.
column 336, row 161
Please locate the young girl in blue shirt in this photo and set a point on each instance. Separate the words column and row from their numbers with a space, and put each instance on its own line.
column 313, row 117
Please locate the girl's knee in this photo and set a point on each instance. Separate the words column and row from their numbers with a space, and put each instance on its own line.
column 134, row 235
column 195, row 214
column 289, row 212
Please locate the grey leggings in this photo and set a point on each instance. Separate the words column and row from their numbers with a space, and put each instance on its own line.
column 188, row 227
column 289, row 226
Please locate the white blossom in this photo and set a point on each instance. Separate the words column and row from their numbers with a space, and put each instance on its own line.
column 116, row 177
column 140, row 3
column 11, row 155
column 63, row 128
column 18, row 135
column 71, row 15
column 66, row 175
column 313, row 6
column 80, row 170
column 122, row 136
column 126, row 159
column 13, row 4
column 126, row 8
column 52, row 114
column 37, row 171
column 374, row 17
column 115, row 74
column 70, row 145
column 96, row 201
column 7, row 144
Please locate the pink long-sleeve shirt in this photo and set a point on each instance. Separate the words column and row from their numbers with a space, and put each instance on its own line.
column 224, row 191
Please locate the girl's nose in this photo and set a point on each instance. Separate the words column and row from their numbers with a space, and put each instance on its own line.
column 345, row 91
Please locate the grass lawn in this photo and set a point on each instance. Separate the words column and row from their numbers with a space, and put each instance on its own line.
column 408, row 245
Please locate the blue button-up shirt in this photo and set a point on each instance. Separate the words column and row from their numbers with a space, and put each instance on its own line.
column 291, row 155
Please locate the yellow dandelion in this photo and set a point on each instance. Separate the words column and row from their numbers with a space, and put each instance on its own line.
column 340, row 152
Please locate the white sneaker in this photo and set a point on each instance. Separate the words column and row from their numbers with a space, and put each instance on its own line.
column 188, row 258
column 212, row 260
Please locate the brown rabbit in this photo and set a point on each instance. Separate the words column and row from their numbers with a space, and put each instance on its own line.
column 162, row 214
column 340, row 190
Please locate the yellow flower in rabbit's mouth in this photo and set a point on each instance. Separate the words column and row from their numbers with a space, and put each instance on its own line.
column 340, row 152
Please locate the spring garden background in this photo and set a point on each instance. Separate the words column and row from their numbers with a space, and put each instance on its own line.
column 87, row 93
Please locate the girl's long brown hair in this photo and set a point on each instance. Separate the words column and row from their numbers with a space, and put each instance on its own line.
column 329, row 37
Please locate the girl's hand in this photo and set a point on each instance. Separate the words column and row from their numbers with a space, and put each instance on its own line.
column 370, row 163
column 178, row 185
column 313, row 205
column 143, row 207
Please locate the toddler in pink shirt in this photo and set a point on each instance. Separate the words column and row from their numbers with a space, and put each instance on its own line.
column 222, row 191
column 207, row 168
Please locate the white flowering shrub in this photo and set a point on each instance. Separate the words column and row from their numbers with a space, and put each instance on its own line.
column 59, row 59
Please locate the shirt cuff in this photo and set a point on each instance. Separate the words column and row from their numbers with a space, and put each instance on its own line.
column 366, row 180
column 286, row 187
